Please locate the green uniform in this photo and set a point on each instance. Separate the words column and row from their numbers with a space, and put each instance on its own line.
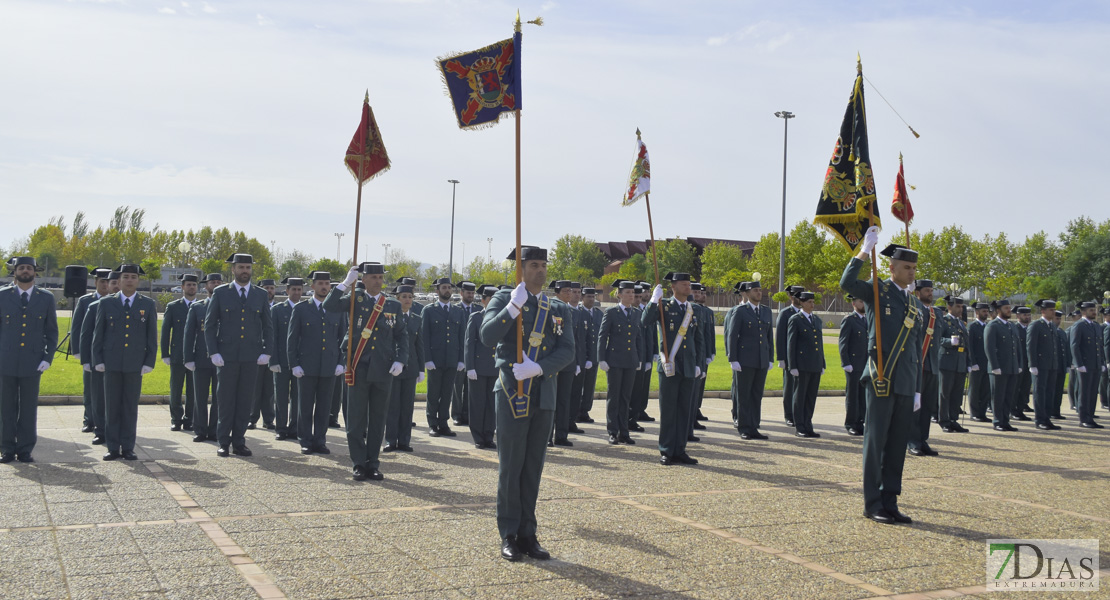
column 80, row 310
column 750, row 343
column 441, row 326
column 1024, row 385
column 888, row 419
column 522, row 440
column 805, row 355
column 620, row 345
column 676, row 391
column 638, row 408
column 94, row 384
column 1064, row 356
column 733, row 391
column 314, row 346
column 708, row 324
column 173, row 348
column 589, row 382
column 482, row 361
column 780, row 353
column 368, row 398
column 1043, row 352
column 852, row 345
column 1003, row 362
column 286, row 398
column 979, row 385
column 398, row 420
column 1087, row 353
column 125, row 340
column 954, row 366
column 195, row 351
column 564, row 385
column 28, row 337
column 930, row 377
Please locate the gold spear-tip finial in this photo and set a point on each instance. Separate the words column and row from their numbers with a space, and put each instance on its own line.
column 637, row 133
column 516, row 23
column 859, row 64
column 899, row 157
column 366, row 98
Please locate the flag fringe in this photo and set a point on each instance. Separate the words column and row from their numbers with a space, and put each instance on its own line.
column 374, row 176
column 447, row 91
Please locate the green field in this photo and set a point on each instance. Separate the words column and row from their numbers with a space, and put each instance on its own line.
column 64, row 376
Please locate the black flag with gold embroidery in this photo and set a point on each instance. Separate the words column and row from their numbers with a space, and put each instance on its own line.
column 849, row 189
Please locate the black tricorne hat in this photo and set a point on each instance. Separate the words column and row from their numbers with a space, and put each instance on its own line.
column 189, row 277
column 528, row 253
column 676, row 276
column 16, row 261
column 130, row 268
column 371, row 268
column 900, row 252
column 240, row 259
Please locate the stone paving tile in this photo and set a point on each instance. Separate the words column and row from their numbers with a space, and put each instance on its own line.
column 31, row 578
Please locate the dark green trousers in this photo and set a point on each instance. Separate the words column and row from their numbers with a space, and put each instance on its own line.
column 885, row 431
column 314, row 396
column 589, row 384
column 951, row 397
column 19, row 413
column 979, row 392
column 618, row 400
column 855, row 399
column 96, row 395
column 367, row 404
column 180, row 380
column 204, row 418
column 398, row 419
column 806, row 385
column 521, row 450
column 787, row 395
column 749, row 384
column 263, row 396
column 286, row 400
column 441, row 386
column 121, row 409
column 483, row 420
column 564, row 384
column 675, row 395
column 235, row 394
column 1044, row 393
column 1002, row 393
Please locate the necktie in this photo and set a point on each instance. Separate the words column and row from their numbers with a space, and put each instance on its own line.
column 320, row 307
column 24, row 298
column 243, row 294
column 127, row 304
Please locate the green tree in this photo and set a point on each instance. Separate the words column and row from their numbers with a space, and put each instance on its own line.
column 214, row 265
column 1085, row 273
column 578, row 253
column 722, row 265
column 803, row 246
column 400, row 265
column 951, row 256
column 765, row 260
column 337, row 269
column 679, row 256
column 47, row 245
column 295, row 264
column 152, row 266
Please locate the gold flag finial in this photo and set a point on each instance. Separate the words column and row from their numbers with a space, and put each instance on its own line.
column 859, row 65
column 516, row 24
column 366, row 99
column 637, row 133
column 899, row 157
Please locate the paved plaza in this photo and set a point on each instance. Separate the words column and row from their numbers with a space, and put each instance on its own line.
column 774, row 519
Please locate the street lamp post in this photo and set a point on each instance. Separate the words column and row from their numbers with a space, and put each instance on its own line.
column 785, row 116
column 489, row 250
column 338, row 241
column 385, row 255
column 451, row 253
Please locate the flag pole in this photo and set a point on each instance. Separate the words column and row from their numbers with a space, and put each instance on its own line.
column 354, row 255
column 875, row 287
column 655, row 260
column 519, row 262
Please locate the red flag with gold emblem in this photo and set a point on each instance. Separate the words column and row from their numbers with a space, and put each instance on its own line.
column 366, row 157
column 900, row 206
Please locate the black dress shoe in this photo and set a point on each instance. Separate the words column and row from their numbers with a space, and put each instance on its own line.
column 1059, row 418
column 282, row 436
column 434, row 432
column 268, row 426
column 197, row 438
column 898, row 516
column 1008, row 427
column 635, row 427
column 7, row 457
column 666, row 461
column 186, row 426
column 408, row 448
column 87, row 429
column 697, row 425
column 926, row 450
column 321, row 449
column 1053, row 426
column 251, row 426
column 461, row 422
column 175, row 427
column 574, row 429
column 880, row 516
column 374, row 475
column 359, row 473
column 129, row 455
column 757, row 436
column 98, row 440
column 391, row 447
column 24, row 457
column 624, row 439
column 241, row 451
column 334, row 424
column 490, row 445
column 702, row 417
column 563, row 442
column 531, row 546
column 213, row 437
column 686, row 459
column 223, row 452
column 550, row 443
column 745, row 436
column 1091, row 425
column 790, row 422
column 693, row 438
column 645, row 418
column 478, row 445
column 585, row 420
column 111, row 456
column 807, row 434
column 1020, row 417
column 613, row 439
column 509, row 549
column 855, row 431
column 446, row 431
column 933, row 419
column 979, row 419
column 916, row 451
column 1044, row 426
column 306, row 450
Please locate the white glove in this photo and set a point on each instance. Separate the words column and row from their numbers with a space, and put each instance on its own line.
column 147, row 370
column 166, row 360
column 849, row 368
column 647, row 366
column 527, row 369
column 352, row 275
column 339, row 370
column 697, row 371
column 431, row 366
column 822, row 371
column 299, row 372
column 420, row 377
column 657, row 294
column 1033, row 370
column 472, row 375
column 217, row 360
column 735, row 366
column 996, row 371
column 589, row 365
column 1082, row 369
column 460, row 367
column 100, row 368
column 275, row 369
column 192, row 366
column 604, row 366
column 87, row 367
column 973, row 368
column 916, row 402
column 709, row 359
column 43, row 366
column 969, row 369
column 396, row 368
column 655, row 358
column 76, row 357
column 870, row 239
column 782, row 364
column 517, row 299
column 1103, row 369
column 770, row 366
column 793, row 372
column 577, row 370
column 955, row 340
column 263, row 360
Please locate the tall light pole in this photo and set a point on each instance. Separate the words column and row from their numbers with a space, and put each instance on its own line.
column 451, row 254
column 489, row 250
column 338, row 240
column 385, row 255
column 785, row 116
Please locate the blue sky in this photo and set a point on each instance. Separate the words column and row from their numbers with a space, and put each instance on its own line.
column 237, row 114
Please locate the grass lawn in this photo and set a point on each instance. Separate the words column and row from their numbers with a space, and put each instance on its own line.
column 64, row 376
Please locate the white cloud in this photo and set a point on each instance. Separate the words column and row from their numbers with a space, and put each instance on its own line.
column 167, row 10
column 263, row 21
column 185, row 5
column 208, row 8
column 549, row 5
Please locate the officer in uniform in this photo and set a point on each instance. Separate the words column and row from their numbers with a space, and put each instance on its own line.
column 1042, row 350
column 586, row 359
column 524, row 421
column 173, row 350
column 28, row 338
column 780, row 343
column 892, row 401
column 1024, row 384
column 1073, row 377
column 708, row 322
column 197, row 361
column 1003, row 360
column 805, row 358
column 979, row 388
column 565, row 379
column 79, row 312
column 620, row 354
column 1063, row 355
column 1089, row 359
column 96, row 378
column 286, row 396
column 310, row 326
column 750, row 342
column 853, row 359
column 264, row 388
column 441, row 328
column 933, row 317
column 381, row 352
column 124, row 348
column 240, row 338
column 481, row 374
column 680, row 365
column 589, row 376
column 637, row 411
column 460, row 399
column 954, row 366
column 402, row 395
column 742, row 299
column 1104, row 381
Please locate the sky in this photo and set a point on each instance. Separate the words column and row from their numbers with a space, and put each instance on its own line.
column 237, row 114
